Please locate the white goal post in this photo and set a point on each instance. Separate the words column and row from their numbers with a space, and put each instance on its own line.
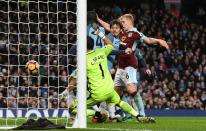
column 81, row 62
column 43, row 31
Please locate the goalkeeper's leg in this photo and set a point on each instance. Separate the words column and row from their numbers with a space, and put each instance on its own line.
column 92, row 110
column 127, row 99
column 99, row 117
column 73, row 111
column 115, row 100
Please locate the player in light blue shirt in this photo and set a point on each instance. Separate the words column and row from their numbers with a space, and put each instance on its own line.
column 98, row 42
column 91, row 22
column 111, row 58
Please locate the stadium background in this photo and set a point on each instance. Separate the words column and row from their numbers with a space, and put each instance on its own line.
column 178, row 77
column 35, row 35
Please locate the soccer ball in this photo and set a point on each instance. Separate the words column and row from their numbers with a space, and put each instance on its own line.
column 32, row 67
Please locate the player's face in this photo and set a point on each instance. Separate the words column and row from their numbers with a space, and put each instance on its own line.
column 115, row 30
column 126, row 24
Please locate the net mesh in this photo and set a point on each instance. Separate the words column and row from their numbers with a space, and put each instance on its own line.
column 35, row 30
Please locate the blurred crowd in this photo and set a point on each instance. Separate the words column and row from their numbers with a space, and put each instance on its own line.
column 42, row 31
column 178, row 78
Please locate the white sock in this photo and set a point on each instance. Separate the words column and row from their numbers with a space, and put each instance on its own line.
column 111, row 110
column 96, row 108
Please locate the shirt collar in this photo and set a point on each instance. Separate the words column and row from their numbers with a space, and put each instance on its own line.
column 90, row 52
column 133, row 29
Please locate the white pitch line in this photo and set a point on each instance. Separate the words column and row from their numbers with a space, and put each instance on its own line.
column 112, row 129
column 118, row 129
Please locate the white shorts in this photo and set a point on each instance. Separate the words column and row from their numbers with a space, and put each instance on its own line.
column 125, row 76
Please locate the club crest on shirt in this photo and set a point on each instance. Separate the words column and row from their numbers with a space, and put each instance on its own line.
column 123, row 38
column 130, row 34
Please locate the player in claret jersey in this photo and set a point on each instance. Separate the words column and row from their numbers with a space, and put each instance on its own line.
column 127, row 63
column 100, row 83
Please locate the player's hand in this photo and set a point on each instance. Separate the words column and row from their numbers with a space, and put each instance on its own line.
column 96, row 32
column 99, row 33
column 128, row 51
column 97, row 17
column 148, row 72
column 96, row 29
column 64, row 94
column 163, row 43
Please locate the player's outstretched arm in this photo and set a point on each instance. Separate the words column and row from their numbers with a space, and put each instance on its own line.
column 161, row 42
column 104, row 24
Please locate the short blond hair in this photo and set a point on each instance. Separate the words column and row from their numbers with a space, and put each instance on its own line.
column 127, row 16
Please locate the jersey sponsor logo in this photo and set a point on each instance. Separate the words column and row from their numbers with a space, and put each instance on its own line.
column 122, row 43
column 97, row 58
column 130, row 34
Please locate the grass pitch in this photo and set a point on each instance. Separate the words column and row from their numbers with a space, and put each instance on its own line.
column 162, row 124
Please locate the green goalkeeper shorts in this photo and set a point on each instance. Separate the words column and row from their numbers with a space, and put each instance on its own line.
column 111, row 99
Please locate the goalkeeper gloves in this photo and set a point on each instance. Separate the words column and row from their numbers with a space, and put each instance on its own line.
column 97, row 31
column 64, row 94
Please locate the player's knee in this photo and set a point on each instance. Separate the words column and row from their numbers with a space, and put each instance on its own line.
column 131, row 88
column 134, row 93
column 118, row 90
column 118, row 104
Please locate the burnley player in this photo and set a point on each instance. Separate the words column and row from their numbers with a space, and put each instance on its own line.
column 100, row 83
column 127, row 64
column 115, row 29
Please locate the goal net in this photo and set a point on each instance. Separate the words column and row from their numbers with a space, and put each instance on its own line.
column 43, row 31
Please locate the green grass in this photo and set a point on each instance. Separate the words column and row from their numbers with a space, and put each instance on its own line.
column 162, row 124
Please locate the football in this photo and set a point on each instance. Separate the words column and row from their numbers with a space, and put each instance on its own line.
column 32, row 67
